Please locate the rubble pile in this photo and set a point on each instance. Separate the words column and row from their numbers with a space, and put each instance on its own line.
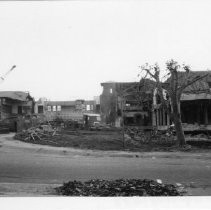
column 37, row 133
column 119, row 187
column 150, row 137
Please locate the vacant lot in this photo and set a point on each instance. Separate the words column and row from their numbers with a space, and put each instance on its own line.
column 103, row 140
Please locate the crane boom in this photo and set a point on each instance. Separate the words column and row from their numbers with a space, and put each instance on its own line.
column 3, row 77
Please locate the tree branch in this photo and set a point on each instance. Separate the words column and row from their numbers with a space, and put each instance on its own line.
column 188, row 83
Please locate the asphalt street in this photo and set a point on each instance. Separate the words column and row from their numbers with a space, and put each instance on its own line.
column 29, row 169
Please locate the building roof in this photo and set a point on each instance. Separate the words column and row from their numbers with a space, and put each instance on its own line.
column 68, row 103
column 145, row 84
column 202, row 85
column 15, row 95
column 60, row 103
column 135, row 89
column 118, row 83
column 91, row 114
column 193, row 97
column 91, row 102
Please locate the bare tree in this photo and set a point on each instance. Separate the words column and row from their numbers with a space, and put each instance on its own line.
column 176, row 84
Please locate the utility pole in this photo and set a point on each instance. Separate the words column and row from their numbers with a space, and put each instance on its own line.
column 122, row 116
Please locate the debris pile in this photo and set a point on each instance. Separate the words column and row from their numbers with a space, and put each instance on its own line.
column 119, row 187
column 133, row 132
column 37, row 133
column 153, row 138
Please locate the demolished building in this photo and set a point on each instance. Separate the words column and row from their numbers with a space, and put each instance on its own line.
column 145, row 110
column 195, row 105
column 132, row 100
column 14, row 105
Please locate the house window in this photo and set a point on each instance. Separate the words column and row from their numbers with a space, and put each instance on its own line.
column 59, row 108
column 40, row 109
column 20, row 110
column 49, row 108
column 91, row 107
column 88, row 107
column 7, row 109
column 111, row 90
column 26, row 109
column 54, row 108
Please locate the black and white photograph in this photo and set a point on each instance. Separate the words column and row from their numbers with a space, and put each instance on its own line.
column 105, row 104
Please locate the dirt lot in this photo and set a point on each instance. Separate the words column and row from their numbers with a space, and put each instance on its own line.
column 106, row 140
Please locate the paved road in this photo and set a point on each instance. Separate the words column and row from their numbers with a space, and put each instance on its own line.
column 40, row 166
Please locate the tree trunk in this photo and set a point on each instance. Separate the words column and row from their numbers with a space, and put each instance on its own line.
column 178, row 122
column 179, row 130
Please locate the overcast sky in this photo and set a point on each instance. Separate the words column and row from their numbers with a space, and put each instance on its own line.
column 64, row 50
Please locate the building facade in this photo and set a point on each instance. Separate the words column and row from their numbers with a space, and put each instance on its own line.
column 16, row 109
column 14, row 103
column 195, row 106
column 130, row 101
column 66, row 110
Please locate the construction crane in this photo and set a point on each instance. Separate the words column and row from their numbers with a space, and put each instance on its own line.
column 5, row 75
